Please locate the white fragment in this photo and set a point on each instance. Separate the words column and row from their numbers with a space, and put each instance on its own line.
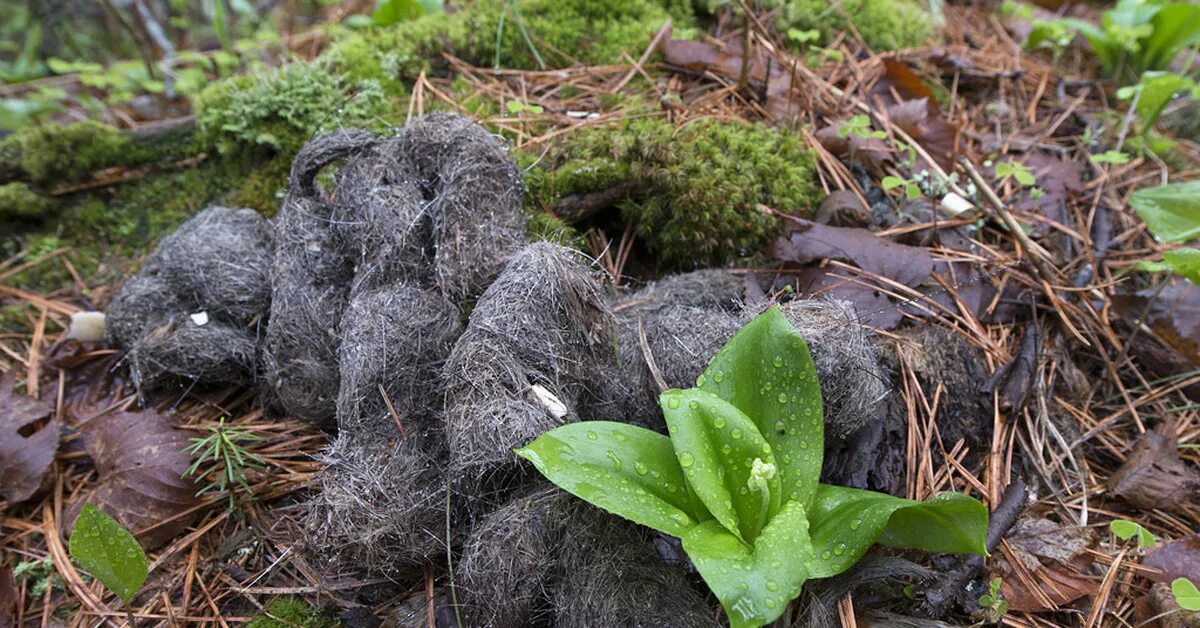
column 86, row 327
column 552, row 404
column 200, row 318
column 956, row 205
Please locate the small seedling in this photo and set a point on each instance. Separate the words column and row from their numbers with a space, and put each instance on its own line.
column 912, row 191
column 40, row 575
column 225, row 452
column 104, row 548
column 516, row 107
column 1124, row 529
column 737, row 479
column 1112, row 157
column 1016, row 171
column 859, row 126
column 991, row 602
column 1186, row 595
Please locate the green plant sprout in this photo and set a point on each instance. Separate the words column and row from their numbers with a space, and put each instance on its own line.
column 1124, row 529
column 39, row 574
column 1134, row 36
column 224, row 450
column 737, row 479
column 516, row 107
column 1016, row 171
column 912, row 191
column 104, row 548
column 1186, row 594
column 1110, row 157
column 994, row 606
column 1172, row 214
column 859, row 126
column 1153, row 93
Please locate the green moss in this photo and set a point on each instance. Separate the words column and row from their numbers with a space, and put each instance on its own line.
column 288, row 612
column 19, row 203
column 277, row 112
column 883, row 24
column 54, row 153
column 695, row 190
column 563, row 33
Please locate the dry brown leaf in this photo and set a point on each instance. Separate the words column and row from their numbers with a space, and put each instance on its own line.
column 141, row 461
column 9, row 597
column 810, row 241
column 26, row 449
column 899, row 77
column 1055, row 556
column 1153, row 475
column 1175, row 559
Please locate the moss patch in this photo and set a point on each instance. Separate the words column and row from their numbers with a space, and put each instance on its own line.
column 883, row 24
column 288, row 612
column 277, row 112
column 19, row 203
column 53, row 153
column 486, row 31
column 693, row 191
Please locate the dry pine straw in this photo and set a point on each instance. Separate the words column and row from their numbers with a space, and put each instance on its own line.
column 1073, row 458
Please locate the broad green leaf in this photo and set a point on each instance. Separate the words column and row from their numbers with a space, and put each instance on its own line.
column 1175, row 27
column 627, row 470
column 1186, row 595
column 1098, row 39
column 847, row 521
column 109, row 552
column 1171, row 212
column 766, row 371
column 717, row 446
column 754, row 582
column 1186, row 262
column 1157, row 90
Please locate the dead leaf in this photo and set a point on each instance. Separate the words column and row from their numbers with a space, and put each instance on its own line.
column 1014, row 380
column 92, row 383
column 1173, row 313
column 769, row 79
column 1153, row 475
column 923, row 121
column 873, row 307
column 1175, row 559
column 843, row 208
column 141, row 461
column 26, row 450
column 1055, row 557
column 9, row 596
column 899, row 77
column 810, row 241
column 869, row 151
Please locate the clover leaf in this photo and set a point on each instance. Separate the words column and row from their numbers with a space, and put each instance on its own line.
column 737, row 479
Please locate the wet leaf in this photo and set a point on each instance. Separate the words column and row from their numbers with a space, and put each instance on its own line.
column 848, row 521
column 1175, row 559
column 627, row 470
column 812, row 242
column 716, row 444
column 754, row 583
column 767, row 372
column 109, row 552
column 26, row 449
column 1171, row 212
column 141, row 460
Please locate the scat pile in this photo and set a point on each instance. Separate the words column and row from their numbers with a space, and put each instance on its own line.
column 196, row 310
column 379, row 247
